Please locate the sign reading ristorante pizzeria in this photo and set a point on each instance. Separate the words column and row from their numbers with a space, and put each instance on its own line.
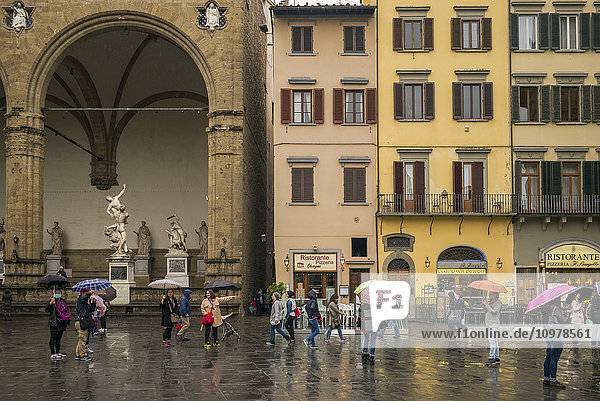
column 573, row 256
column 313, row 261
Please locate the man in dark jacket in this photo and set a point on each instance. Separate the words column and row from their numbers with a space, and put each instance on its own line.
column 61, row 271
column 312, row 310
column 185, row 309
column 82, row 310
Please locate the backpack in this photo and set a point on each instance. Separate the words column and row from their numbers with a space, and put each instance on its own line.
column 294, row 308
column 62, row 311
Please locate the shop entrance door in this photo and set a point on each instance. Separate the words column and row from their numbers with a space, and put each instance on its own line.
column 355, row 280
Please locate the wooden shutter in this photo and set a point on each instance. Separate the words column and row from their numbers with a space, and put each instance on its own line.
column 586, row 103
column 360, row 184
column 554, row 31
column 595, row 33
column 360, row 39
column 338, row 105
column 486, row 34
column 584, row 31
column 591, row 178
column 349, row 185
column 296, row 185
column 428, row 33
column 546, row 104
column 286, row 105
column 543, row 31
column 308, row 42
column 517, row 187
column 398, row 100
column 397, row 34
column 478, row 196
column 398, row 185
column 371, row 106
column 296, row 39
column 457, row 111
column 555, row 103
column 455, row 34
column 515, row 104
column 419, row 187
column 348, row 39
column 308, row 184
column 457, row 187
column 302, row 184
column 488, row 100
column 429, row 92
column 551, row 178
column 318, row 94
column 514, row 31
column 596, row 103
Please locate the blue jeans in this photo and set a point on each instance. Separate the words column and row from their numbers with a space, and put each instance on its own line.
column 494, row 348
column 369, row 339
column 279, row 330
column 330, row 329
column 314, row 330
column 553, row 352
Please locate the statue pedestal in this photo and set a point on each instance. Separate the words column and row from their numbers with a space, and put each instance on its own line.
column 177, row 268
column 121, row 273
column 53, row 262
column 142, row 270
column 200, row 268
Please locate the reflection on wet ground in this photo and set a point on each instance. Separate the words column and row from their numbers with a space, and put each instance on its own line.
column 130, row 364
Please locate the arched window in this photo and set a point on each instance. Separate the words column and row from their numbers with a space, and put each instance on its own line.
column 398, row 265
column 461, row 253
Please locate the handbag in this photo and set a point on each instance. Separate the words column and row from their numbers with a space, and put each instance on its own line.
column 297, row 312
column 174, row 318
column 208, row 319
column 86, row 322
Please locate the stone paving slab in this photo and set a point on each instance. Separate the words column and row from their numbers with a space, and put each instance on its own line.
column 130, row 364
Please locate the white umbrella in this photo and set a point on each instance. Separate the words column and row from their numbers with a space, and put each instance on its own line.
column 164, row 284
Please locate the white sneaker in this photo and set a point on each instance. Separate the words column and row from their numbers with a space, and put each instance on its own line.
column 89, row 351
column 62, row 355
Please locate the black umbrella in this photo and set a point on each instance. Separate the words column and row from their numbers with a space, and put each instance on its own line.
column 586, row 293
column 109, row 294
column 53, row 281
column 221, row 285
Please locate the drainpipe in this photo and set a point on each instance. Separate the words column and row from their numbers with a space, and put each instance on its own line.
column 377, row 127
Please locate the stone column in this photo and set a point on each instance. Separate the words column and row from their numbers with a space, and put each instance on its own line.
column 24, row 141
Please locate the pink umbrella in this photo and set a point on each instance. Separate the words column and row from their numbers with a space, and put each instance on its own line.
column 548, row 295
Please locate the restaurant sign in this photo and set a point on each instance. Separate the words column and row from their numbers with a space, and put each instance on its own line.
column 461, row 267
column 313, row 261
column 572, row 256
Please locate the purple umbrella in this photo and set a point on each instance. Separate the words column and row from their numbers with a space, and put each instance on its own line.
column 548, row 295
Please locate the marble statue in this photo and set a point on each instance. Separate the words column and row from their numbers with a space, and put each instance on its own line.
column 212, row 16
column 144, row 239
column 203, row 239
column 19, row 20
column 116, row 210
column 2, row 238
column 113, row 236
column 177, row 236
column 57, row 239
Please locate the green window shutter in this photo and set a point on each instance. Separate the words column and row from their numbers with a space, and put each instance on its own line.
column 591, row 178
column 586, row 103
column 515, row 104
column 554, row 31
column 514, row 31
column 595, row 34
column 551, row 178
column 544, row 31
column 596, row 103
column 555, row 103
column 546, row 105
column 584, row 31
column 517, row 178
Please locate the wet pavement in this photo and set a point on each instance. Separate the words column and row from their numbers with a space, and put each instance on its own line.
column 130, row 364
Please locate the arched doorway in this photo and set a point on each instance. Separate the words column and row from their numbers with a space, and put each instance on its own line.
column 399, row 266
column 458, row 266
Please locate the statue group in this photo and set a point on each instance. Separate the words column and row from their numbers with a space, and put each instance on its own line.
column 177, row 236
column 116, row 232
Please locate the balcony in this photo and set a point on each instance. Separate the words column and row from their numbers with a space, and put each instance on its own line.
column 557, row 204
column 445, row 204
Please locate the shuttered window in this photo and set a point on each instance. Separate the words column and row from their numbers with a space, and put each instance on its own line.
column 302, row 107
column 414, row 101
column 471, row 101
column 528, row 32
column 286, row 105
column 569, row 103
column 528, row 103
column 471, row 34
column 302, row 185
column 354, row 107
column 355, row 185
column 354, row 39
column 302, row 39
column 568, row 32
column 413, row 39
column 468, row 186
column 413, row 34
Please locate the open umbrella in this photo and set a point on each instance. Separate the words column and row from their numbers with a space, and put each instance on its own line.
column 487, row 285
column 109, row 294
column 363, row 291
column 586, row 293
column 164, row 284
column 53, row 281
column 93, row 284
column 548, row 295
column 221, row 285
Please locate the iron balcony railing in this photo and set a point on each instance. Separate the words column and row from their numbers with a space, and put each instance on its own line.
column 487, row 204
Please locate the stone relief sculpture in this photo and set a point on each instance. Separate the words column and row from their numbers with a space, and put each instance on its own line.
column 19, row 20
column 144, row 239
column 116, row 210
column 203, row 239
column 177, row 236
column 57, row 239
column 211, row 17
column 18, row 17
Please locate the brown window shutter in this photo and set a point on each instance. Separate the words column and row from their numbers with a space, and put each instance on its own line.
column 360, row 184
column 478, row 187
column 428, row 34
column 348, row 185
column 457, row 187
column 429, row 100
column 371, row 98
column 286, row 105
column 488, row 100
column 398, row 100
column 307, row 181
column 397, row 34
column 419, row 187
column 457, row 100
column 318, row 95
column 455, row 34
column 486, row 34
column 296, row 185
column 398, row 185
column 338, row 105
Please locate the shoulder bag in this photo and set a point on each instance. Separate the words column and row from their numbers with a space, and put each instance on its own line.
column 208, row 318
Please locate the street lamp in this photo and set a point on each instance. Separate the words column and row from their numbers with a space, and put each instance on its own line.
column 263, row 238
column 286, row 262
column 342, row 261
column 541, row 264
column 499, row 264
column 427, row 262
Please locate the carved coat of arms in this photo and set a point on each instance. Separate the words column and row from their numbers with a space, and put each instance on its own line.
column 211, row 17
column 18, row 17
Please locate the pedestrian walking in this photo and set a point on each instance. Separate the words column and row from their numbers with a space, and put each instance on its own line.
column 577, row 307
column 61, row 271
column 493, row 306
column 83, row 322
column 211, row 313
column 60, row 317
column 185, row 309
column 314, row 318
column 456, row 310
column 290, row 314
column 170, row 316
column 553, row 348
column 594, row 316
column 369, row 335
column 276, row 318
column 261, row 302
column 334, row 317
column 97, row 313
column 7, row 300
column 103, row 318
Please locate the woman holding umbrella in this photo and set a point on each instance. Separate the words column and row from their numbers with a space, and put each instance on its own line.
column 60, row 317
column 210, row 307
column 170, row 316
column 553, row 348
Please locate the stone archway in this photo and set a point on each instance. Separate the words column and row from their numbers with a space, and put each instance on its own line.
column 399, row 262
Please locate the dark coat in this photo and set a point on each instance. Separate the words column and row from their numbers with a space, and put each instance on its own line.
column 311, row 307
column 167, row 309
column 82, row 307
column 53, row 322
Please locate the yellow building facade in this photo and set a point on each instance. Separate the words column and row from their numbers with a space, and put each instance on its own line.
column 444, row 146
